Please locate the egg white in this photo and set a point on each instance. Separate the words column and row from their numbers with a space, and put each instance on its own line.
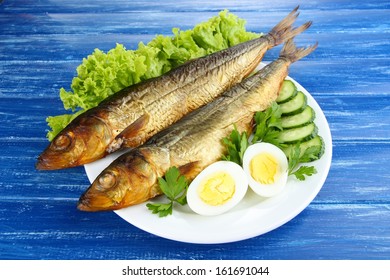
column 266, row 190
column 241, row 186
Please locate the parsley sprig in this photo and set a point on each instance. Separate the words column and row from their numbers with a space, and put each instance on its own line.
column 174, row 186
column 295, row 158
column 236, row 145
column 268, row 125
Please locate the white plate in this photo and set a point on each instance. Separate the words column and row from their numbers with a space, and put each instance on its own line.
column 252, row 217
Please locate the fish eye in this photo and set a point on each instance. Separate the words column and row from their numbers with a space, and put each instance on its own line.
column 107, row 180
column 62, row 142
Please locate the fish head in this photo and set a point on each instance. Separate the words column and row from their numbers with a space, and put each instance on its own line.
column 106, row 192
column 82, row 141
column 131, row 179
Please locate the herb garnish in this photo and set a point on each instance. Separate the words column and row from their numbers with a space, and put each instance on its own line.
column 268, row 125
column 236, row 144
column 295, row 157
column 174, row 186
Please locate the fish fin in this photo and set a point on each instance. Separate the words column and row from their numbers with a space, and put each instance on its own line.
column 291, row 52
column 190, row 170
column 130, row 137
column 284, row 31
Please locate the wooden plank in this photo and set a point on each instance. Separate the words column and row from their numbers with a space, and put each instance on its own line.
column 358, row 174
column 119, row 6
column 162, row 23
column 42, row 44
column 341, row 231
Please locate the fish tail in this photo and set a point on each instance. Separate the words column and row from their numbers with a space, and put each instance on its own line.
column 283, row 31
column 291, row 52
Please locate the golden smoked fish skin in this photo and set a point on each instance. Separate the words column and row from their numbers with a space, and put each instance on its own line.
column 191, row 144
column 133, row 115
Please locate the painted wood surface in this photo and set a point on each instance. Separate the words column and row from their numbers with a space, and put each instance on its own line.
column 42, row 43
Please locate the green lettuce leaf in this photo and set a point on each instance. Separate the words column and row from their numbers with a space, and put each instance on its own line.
column 101, row 74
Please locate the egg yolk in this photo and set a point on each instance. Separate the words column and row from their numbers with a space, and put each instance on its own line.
column 217, row 188
column 263, row 168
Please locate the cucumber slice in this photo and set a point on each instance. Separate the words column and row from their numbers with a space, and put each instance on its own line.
column 302, row 118
column 316, row 144
column 298, row 134
column 295, row 105
column 286, row 92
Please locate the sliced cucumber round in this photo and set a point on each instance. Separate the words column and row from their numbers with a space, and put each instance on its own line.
column 286, row 92
column 298, row 134
column 295, row 105
column 302, row 118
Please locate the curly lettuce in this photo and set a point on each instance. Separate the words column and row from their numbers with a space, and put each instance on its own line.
column 102, row 74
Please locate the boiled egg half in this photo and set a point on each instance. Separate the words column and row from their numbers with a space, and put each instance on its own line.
column 217, row 189
column 266, row 167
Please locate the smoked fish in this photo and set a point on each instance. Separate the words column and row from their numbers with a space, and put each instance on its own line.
column 133, row 115
column 192, row 143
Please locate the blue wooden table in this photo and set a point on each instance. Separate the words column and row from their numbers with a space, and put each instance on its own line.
column 42, row 43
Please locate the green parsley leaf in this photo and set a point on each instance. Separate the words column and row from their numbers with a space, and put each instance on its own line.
column 268, row 125
column 304, row 171
column 174, row 186
column 236, row 145
column 310, row 154
column 182, row 200
column 295, row 158
column 163, row 209
column 164, row 187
